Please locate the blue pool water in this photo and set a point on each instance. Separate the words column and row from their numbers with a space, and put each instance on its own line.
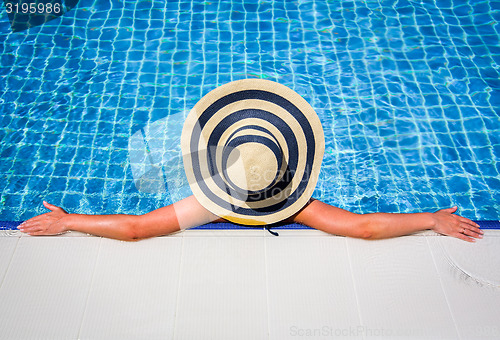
column 408, row 94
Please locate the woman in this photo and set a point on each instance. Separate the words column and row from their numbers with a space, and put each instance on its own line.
column 252, row 153
column 189, row 213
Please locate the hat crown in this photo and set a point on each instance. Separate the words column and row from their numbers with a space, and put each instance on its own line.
column 253, row 161
column 252, row 151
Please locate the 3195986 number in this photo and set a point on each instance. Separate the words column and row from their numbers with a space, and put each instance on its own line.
column 33, row 8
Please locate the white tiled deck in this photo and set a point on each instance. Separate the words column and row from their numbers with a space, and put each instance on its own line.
column 247, row 284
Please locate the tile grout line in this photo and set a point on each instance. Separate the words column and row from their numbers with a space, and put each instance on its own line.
column 354, row 284
column 10, row 262
column 176, row 313
column 90, row 288
column 266, row 272
column 442, row 287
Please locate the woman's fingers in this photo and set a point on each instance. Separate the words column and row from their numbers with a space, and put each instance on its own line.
column 465, row 237
column 29, row 226
column 473, row 232
column 34, row 230
column 45, row 224
column 34, row 220
column 470, row 228
column 472, row 223
column 35, row 224
column 447, row 223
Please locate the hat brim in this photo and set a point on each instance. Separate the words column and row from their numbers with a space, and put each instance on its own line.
column 271, row 110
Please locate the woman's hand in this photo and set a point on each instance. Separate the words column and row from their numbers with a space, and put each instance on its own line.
column 45, row 224
column 453, row 225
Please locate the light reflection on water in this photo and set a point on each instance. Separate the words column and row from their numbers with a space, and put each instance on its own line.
column 407, row 95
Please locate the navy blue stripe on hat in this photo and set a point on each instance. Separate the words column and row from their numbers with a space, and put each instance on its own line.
column 280, row 124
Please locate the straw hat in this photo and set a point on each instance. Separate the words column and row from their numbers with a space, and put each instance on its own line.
column 252, row 151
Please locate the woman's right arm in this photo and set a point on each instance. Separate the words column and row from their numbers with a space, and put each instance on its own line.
column 184, row 214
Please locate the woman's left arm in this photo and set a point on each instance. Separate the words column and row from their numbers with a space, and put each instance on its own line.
column 338, row 221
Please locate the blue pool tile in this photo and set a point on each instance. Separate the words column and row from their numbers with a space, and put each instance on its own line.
column 432, row 65
column 76, row 185
column 61, row 169
column 94, row 185
column 71, row 202
column 11, row 203
column 57, row 184
column 115, row 172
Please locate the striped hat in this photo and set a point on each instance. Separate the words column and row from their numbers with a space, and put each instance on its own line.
column 252, row 151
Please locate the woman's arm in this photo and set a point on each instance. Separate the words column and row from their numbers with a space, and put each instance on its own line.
column 184, row 214
column 188, row 213
column 337, row 221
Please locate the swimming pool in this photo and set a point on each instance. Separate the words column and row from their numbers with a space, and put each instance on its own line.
column 408, row 94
